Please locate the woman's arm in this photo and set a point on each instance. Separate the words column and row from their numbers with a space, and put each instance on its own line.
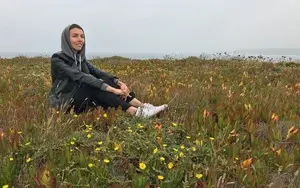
column 62, row 68
column 99, row 73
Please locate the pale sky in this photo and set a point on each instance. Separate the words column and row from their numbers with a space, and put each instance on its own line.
column 151, row 26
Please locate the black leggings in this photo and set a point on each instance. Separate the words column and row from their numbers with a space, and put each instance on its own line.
column 87, row 97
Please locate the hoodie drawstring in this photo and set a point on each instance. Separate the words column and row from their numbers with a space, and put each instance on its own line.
column 80, row 62
column 78, row 66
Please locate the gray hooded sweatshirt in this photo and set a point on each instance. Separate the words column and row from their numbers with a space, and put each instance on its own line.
column 71, row 70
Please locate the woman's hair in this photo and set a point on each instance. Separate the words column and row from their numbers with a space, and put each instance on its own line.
column 75, row 26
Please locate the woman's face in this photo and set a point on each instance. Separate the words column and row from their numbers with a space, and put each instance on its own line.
column 76, row 39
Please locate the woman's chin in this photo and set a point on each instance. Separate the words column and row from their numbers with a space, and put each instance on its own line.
column 77, row 49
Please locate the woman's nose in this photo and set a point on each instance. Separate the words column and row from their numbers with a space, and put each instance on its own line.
column 80, row 39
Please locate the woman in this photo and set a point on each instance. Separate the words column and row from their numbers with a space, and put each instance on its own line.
column 79, row 85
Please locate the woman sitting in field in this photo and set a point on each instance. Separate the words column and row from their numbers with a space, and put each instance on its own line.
column 78, row 85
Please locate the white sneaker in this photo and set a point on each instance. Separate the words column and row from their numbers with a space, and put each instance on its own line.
column 148, row 111
column 163, row 107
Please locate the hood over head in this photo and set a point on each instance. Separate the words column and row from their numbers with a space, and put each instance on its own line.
column 66, row 44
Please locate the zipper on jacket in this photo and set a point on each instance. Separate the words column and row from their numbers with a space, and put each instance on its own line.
column 58, row 84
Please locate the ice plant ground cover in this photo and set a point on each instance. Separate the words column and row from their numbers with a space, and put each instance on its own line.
column 231, row 123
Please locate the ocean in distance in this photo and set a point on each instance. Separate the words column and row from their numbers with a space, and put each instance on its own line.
column 93, row 55
column 271, row 57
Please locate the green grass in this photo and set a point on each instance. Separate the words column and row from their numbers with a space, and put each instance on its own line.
column 230, row 124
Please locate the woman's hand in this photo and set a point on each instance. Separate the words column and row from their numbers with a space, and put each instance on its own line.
column 124, row 88
column 119, row 92
column 115, row 91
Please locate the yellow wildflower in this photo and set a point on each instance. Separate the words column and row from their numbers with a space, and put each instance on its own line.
column 91, row 165
column 181, row 154
column 106, row 160
column 100, row 143
column 160, row 177
column 248, row 107
column 164, row 145
column 5, row 186
column 174, row 124
column 72, row 143
column 278, row 151
column 194, row 149
column 155, row 150
column 292, row 131
column 211, row 138
column 162, row 158
column 198, row 142
column 28, row 160
column 182, row 147
column 75, row 116
column 98, row 149
column 11, row 159
column 89, row 136
column 142, row 166
column 198, row 176
column 45, row 176
column 170, row 165
column 188, row 137
column 105, row 115
column 118, row 147
column 28, row 143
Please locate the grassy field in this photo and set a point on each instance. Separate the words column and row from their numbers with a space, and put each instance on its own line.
column 231, row 123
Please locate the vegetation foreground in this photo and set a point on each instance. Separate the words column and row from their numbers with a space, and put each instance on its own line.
column 231, row 123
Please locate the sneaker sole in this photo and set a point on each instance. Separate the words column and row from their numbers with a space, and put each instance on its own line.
column 162, row 112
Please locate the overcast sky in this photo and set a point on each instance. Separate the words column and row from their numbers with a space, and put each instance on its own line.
column 152, row 26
